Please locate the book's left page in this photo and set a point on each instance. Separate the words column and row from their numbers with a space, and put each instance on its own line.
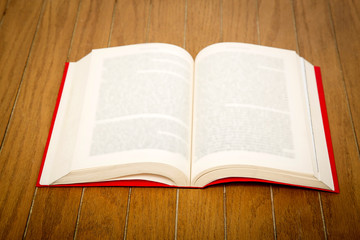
column 125, row 113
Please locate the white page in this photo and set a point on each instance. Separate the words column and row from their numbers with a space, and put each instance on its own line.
column 250, row 110
column 138, row 107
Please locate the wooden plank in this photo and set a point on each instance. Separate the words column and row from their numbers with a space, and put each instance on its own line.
column 94, row 22
column 16, row 36
column 152, row 211
column 346, row 14
column 201, row 212
column 203, row 25
column 248, row 211
column 276, row 24
column 24, row 145
column 103, row 213
column 239, row 21
column 297, row 212
column 317, row 44
column 167, row 23
column 248, row 206
column 130, row 23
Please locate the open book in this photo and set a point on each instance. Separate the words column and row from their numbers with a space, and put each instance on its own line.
column 149, row 115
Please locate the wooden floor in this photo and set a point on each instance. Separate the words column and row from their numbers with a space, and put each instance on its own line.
column 37, row 37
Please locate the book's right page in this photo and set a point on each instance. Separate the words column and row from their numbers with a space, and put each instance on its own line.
column 251, row 116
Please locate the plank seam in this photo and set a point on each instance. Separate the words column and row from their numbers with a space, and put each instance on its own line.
column 112, row 24
column 127, row 213
column 73, row 33
column 225, row 220
column 322, row 216
column 221, row 21
column 295, row 28
column 273, row 211
column 185, row 24
column 176, row 212
column 29, row 216
column 79, row 211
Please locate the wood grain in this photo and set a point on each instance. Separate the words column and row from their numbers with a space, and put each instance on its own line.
column 276, row 24
column 201, row 213
column 16, row 36
column 92, row 31
column 103, row 213
column 248, row 211
column 346, row 21
column 130, row 22
column 93, row 27
column 52, row 219
column 340, row 210
column 248, row 206
column 203, row 25
column 167, row 22
column 297, row 213
column 24, row 145
column 152, row 213
column 239, row 21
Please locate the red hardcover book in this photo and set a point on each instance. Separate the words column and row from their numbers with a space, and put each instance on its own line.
column 103, row 117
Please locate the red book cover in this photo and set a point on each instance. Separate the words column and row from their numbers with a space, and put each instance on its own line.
column 145, row 183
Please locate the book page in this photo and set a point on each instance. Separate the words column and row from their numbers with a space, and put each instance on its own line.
column 63, row 137
column 322, row 151
column 138, row 107
column 249, row 110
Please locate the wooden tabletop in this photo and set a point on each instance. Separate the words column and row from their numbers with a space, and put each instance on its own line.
column 37, row 37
